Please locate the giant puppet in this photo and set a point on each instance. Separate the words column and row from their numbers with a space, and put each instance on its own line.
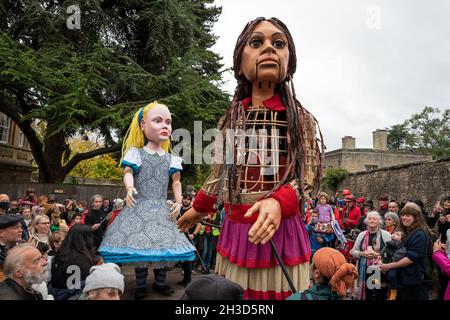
column 263, row 187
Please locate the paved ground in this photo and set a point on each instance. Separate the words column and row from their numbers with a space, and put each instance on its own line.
column 173, row 277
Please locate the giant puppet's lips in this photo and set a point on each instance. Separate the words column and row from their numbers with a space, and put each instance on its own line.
column 267, row 62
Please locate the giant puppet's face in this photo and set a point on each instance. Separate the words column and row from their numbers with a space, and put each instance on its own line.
column 157, row 124
column 266, row 55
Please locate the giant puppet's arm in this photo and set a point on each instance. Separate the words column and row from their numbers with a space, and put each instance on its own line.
column 283, row 203
column 175, row 173
column 128, row 180
column 176, row 187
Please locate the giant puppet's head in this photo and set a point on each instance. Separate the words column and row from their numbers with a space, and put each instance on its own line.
column 264, row 51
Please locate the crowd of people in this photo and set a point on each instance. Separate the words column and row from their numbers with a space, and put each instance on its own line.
column 44, row 243
column 400, row 249
column 395, row 250
column 69, row 234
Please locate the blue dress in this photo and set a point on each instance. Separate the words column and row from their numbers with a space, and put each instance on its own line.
column 144, row 233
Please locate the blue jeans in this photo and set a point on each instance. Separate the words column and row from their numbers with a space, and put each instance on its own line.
column 207, row 252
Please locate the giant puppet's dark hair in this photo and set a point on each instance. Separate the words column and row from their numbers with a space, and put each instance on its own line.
column 300, row 129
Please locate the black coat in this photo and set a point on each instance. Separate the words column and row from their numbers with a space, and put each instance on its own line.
column 393, row 251
column 416, row 245
column 61, row 271
column 442, row 230
column 94, row 217
column 11, row 290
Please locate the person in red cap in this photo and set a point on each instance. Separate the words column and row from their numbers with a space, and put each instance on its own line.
column 360, row 203
column 346, row 192
column 383, row 201
column 351, row 213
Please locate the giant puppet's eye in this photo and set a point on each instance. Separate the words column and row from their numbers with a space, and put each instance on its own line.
column 279, row 44
column 255, row 43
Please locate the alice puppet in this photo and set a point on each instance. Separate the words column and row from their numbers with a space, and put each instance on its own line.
column 145, row 231
column 263, row 199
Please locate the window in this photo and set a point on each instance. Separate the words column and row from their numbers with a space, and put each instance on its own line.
column 5, row 123
column 21, row 139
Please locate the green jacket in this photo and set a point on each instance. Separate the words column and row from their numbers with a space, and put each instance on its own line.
column 316, row 292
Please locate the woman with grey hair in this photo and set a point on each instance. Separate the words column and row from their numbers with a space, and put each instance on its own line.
column 367, row 249
column 391, row 221
column 118, row 204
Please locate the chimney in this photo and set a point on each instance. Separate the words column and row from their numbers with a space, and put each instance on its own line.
column 380, row 139
column 348, row 142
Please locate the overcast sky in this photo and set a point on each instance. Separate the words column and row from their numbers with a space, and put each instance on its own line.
column 362, row 65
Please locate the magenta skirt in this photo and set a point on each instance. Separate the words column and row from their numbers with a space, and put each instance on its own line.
column 291, row 241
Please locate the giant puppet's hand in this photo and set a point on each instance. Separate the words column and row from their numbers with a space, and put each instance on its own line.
column 188, row 219
column 129, row 199
column 268, row 221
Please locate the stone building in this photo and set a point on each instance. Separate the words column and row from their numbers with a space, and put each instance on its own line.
column 15, row 152
column 364, row 159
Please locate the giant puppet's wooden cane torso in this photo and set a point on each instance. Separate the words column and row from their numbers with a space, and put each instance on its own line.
column 261, row 156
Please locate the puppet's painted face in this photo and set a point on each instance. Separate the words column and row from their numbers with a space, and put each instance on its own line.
column 157, row 124
column 266, row 55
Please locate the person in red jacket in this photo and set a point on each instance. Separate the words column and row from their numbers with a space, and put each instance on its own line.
column 351, row 213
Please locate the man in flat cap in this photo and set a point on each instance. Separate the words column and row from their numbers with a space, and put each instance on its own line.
column 10, row 235
column 213, row 287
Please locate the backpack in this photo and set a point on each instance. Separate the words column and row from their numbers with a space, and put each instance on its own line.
column 430, row 275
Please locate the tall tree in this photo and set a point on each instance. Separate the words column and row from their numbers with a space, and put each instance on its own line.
column 397, row 136
column 125, row 54
column 427, row 131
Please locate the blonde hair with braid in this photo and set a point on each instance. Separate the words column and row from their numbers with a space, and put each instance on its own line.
column 135, row 136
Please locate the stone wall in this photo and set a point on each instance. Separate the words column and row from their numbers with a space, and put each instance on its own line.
column 356, row 160
column 429, row 182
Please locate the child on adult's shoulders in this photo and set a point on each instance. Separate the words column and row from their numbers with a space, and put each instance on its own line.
column 317, row 239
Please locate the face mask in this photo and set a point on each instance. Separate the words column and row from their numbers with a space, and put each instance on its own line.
column 314, row 220
column 4, row 205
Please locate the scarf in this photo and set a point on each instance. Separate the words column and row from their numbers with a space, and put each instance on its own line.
column 41, row 237
column 364, row 262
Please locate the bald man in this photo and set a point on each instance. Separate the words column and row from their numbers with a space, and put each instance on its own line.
column 24, row 266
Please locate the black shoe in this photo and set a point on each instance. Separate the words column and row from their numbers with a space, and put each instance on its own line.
column 184, row 282
column 140, row 293
column 205, row 271
column 164, row 290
